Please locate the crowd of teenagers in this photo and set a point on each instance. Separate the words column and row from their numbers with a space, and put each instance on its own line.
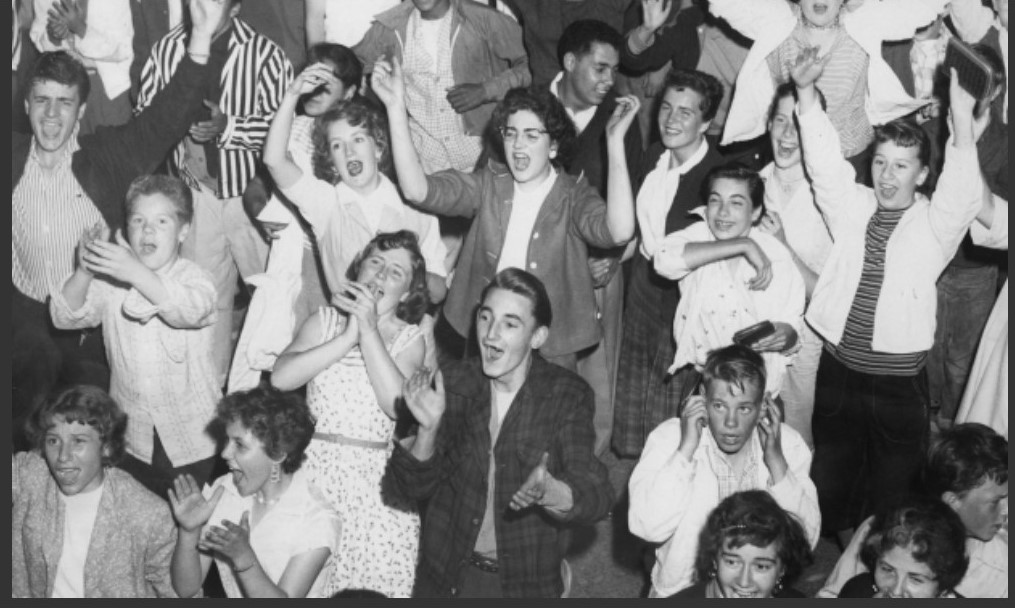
column 354, row 298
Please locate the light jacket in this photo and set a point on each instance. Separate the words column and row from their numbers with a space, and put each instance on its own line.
column 571, row 219
column 131, row 545
column 918, row 251
column 770, row 22
column 486, row 48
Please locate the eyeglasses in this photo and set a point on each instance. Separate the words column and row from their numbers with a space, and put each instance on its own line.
column 510, row 134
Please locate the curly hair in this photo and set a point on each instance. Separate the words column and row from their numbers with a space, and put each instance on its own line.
column 171, row 187
column 928, row 529
column 905, row 133
column 579, row 37
column 705, row 85
column 412, row 309
column 547, row 108
column 85, row 405
column 965, row 457
column 62, row 68
column 280, row 420
column 753, row 517
column 358, row 112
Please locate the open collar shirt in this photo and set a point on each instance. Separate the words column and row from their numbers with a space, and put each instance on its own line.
column 671, row 497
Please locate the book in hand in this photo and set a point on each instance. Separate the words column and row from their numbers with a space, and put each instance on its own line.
column 975, row 73
column 754, row 333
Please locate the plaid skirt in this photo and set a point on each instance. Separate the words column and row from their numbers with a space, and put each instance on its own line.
column 646, row 394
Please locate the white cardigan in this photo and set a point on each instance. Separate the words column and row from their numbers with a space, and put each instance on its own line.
column 917, row 253
column 770, row 22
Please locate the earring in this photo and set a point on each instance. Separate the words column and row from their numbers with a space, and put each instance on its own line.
column 778, row 587
column 276, row 473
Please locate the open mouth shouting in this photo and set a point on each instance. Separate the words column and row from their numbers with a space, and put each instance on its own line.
column 887, row 192
column 491, row 353
column 66, row 475
column 354, row 167
column 521, row 161
column 786, row 150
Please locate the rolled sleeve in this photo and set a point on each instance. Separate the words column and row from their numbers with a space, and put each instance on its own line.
column 796, row 492
column 89, row 315
column 958, row 197
column 191, row 303
column 995, row 237
column 669, row 260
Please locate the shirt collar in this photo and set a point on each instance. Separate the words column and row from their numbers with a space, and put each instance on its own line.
column 68, row 151
column 580, row 118
column 691, row 162
column 715, row 455
column 295, row 500
column 386, row 194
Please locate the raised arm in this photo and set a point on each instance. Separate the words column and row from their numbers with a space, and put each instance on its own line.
column 971, row 18
column 958, row 197
column 505, row 41
column 314, row 21
column 833, row 179
column 248, row 132
column 388, row 83
column 276, row 156
column 649, row 46
column 619, row 195
column 895, row 19
column 308, row 356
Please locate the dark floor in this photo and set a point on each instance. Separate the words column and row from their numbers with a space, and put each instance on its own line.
column 607, row 561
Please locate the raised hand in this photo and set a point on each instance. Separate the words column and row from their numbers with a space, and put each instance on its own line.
column 808, row 67
column 314, row 77
column 761, row 264
column 115, row 260
column 388, row 82
column 358, row 302
column 207, row 130
column 962, row 118
column 71, row 15
column 784, row 338
column 190, row 508
column 98, row 232
column 654, row 13
column 426, row 404
column 693, row 420
column 466, row 96
column 231, row 541
column 623, row 115
column 206, row 15
column 534, row 487
column 770, row 434
column 771, row 224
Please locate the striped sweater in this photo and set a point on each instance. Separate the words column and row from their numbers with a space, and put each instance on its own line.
column 252, row 84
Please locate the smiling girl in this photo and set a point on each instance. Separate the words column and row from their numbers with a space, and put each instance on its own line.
column 355, row 356
column 81, row 526
column 732, row 276
column 157, row 311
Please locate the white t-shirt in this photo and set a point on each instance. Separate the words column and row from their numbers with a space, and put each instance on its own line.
column 80, row 512
column 525, row 208
column 429, row 31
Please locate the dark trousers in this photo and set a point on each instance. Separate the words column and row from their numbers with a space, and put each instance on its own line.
column 159, row 475
column 44, row 359
column 965, row 298
column 870, row 437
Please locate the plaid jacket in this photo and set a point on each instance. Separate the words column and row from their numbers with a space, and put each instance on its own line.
column 551, row 413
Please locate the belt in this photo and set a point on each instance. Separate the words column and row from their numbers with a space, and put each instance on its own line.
column 484, row 563
column 343, row 440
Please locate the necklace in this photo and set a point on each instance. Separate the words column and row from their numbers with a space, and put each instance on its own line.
column 267, row 502
column 834, row 25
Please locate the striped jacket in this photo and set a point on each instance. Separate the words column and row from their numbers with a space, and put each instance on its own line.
column 253, row 80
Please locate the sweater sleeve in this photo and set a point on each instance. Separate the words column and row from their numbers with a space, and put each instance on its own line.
column 589, row 217
column 454, row 193
column 505, row 40
column 661, row 475
column 159, row 554
column 839, row 198
column 957, row 199
column 678, row 43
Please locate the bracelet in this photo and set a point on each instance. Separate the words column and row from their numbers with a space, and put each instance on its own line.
column 239, row 570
